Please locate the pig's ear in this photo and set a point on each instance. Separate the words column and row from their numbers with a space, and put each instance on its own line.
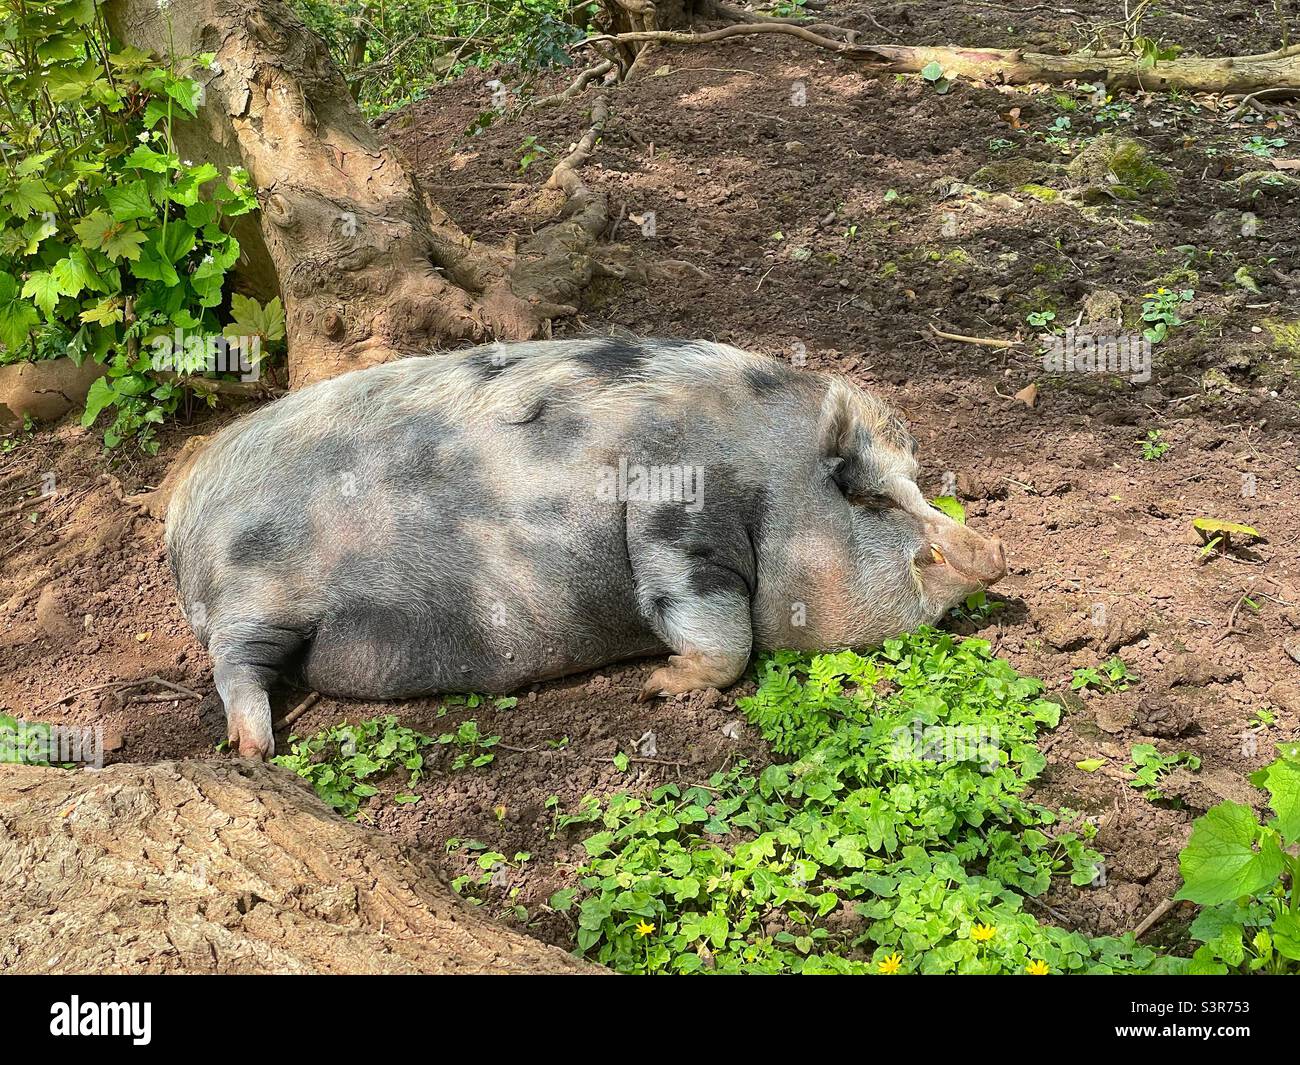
column 845, row 442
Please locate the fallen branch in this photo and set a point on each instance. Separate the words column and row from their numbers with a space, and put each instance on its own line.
column 984, row 342
column 120, row 685
column 1231, row 74
column 1276, row 90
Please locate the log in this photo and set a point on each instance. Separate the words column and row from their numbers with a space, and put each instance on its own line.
column 224, row 867
column 1230, row 74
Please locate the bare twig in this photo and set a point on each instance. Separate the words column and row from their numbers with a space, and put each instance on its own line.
column 301, row 708
column 1247, row 101
column 121, row 685
column 1153, row 917
column 984, row 342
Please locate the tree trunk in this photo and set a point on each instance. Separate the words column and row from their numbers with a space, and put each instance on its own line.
column 367, row 266
column 224, row 867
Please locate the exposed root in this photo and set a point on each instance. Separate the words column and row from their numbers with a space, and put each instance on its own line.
column 599, row 70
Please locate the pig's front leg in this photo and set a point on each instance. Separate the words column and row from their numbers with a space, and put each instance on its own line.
column 694, row 574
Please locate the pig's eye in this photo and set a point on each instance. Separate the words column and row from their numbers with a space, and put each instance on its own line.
column 872, row 501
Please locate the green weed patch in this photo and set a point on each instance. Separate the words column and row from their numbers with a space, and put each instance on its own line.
column 894, row 837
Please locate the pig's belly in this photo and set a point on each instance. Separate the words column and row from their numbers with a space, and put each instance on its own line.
column 449, row 635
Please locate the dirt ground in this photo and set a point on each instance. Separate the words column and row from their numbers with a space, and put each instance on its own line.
column 836, row 232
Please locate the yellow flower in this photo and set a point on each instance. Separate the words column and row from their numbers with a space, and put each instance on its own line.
column 644, row 929
column 1037, row 968
column 890, row 964
column 982, row 933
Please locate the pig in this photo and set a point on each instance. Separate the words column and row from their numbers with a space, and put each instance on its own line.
column 483, row 519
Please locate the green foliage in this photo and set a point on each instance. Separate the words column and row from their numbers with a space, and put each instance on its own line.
column 1263, row 147
column 1151, row 52
column 1153, row 447
column 1160, row 309
column 933, row 73
column 1114, row 676
column 951, row 506
column 1246, row 873
column 342, row 762
column 392, row 53
column 108, row 239
column 24, row 742
column 895, row 838
column 471, row 746
column 1149, row 767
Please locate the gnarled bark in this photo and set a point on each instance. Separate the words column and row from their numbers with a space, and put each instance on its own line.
column 224, row 867
column 368, row 267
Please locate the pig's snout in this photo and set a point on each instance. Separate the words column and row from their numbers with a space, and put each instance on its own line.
column 980, row 559
column 988, row 562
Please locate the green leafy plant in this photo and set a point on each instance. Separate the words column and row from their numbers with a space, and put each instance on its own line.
column 1149, row 768
column 342, row 762
column 1041, row 319
column 893, row 837
column 1151, row 52
column 1263, row 147
column 529, row 152
column 1153, row 447
column 392, row 53
column 1114, row 676
column 1217, row 534
column 1160, row 309
column 472, row 748
column 933, row 73
column 108, row 238
column 1246, row 875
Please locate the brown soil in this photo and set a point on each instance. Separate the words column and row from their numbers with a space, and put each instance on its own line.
column 875, row 246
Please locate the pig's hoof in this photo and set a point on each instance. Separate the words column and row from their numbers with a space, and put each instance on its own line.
column 251, row 743
column 666, row 682
column 690, row 673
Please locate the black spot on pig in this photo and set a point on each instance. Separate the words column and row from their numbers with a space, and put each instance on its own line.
column 267, row 542
column 615, row 357
column 491, row 362
column 766, row 382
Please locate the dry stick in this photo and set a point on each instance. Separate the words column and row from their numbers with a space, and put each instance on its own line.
column 1154, row 916
column 1232, row 629
column 301, row 708
column 1290, row 90
column 1224, row 74
column 984, row 342
column 120, row 685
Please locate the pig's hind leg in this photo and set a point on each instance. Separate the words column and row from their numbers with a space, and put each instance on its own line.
column 247, row 659
column 693, row 585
